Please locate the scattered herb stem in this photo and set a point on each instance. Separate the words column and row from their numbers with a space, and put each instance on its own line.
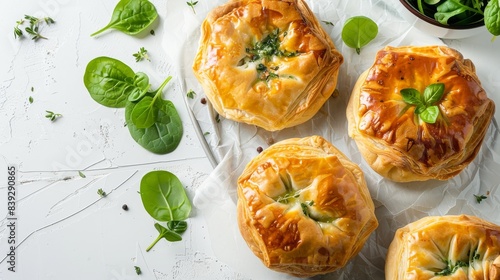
column 52, row 116
column 34, row 27
column 141, row 55
column 191, row 4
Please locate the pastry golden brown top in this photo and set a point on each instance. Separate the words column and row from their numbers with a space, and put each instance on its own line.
column 303, row 207
column 387, row 125
column 266, row 62
column 448, row 247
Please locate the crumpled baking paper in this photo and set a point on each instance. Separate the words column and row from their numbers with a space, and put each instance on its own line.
column 230, row 146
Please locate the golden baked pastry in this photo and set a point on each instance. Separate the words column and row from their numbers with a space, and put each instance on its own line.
column 448, row 247
column 266, row 62
column 392, row 135
column 303, row 207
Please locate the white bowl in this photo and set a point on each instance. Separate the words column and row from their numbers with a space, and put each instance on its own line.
column 432, row 27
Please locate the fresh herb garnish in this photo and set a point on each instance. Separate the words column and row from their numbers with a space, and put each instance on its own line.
column 34, row 27
column 264, row 74
column 480, row 198
column 131, row 17
column 52, row 116
column 191, row 94
column 358, row 31
column 171, row 233
column 141, row 54
column 287, row 197
column 191, row 4
column 263, row 51
column 425, row 104
column 305, row 207
column 101, row 192
column 269, row 47
column 30, row 99
column 17, row 31
column 451, row 268
column 328, row 23
column 137, row 270
column 81, row 174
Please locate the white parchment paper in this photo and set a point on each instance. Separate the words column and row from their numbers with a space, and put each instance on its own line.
column 232, row 145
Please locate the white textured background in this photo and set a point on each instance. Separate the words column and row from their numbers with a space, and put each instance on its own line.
column 65, row 229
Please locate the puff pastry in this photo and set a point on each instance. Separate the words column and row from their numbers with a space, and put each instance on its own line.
column 393, row 139
column 448, row 247
column 266, row 62
column 303, row 207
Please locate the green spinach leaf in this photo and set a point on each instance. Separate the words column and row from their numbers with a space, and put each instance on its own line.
column 165, row 134
column 131, row 17
column 448, row 10
column 164, row 197
column 110, row 81
column 141, row 81
column 358, row 31
column 145, row 111
column 492, row 17
column 170, row 233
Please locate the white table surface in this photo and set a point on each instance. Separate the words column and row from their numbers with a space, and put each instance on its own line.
column 65, row 230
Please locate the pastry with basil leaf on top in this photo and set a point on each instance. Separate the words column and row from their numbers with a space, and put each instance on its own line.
column 419, row 113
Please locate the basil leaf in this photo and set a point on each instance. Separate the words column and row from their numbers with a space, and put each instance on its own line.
column 492, row 17
column 164, row 233
column 433, row 93
column 358, row 31
column 109, row 81
column 144, row 113
column 420, row 108
column 131, row 17
column 411, row 96
column 430, row 114
column 164, row 197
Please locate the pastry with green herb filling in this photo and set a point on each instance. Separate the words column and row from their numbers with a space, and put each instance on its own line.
column 447, row 247
column 267, row 63
column 304, row 207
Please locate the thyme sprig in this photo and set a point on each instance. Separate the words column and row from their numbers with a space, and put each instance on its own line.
column 34, row 27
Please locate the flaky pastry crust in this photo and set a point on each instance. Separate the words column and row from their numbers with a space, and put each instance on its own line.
column 448, row 247
column 303, row 207
column 266, row 62
column 394, row 141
